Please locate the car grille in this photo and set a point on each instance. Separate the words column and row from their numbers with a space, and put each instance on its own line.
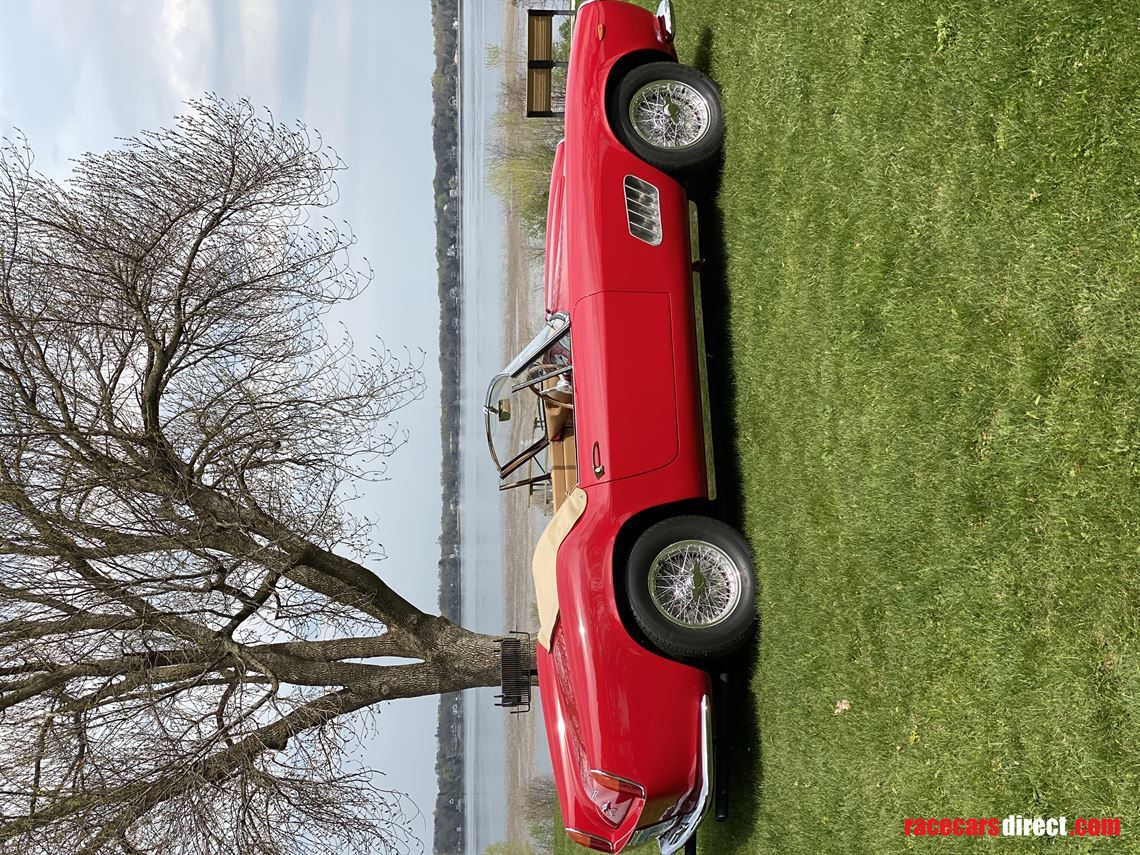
column 643, row 210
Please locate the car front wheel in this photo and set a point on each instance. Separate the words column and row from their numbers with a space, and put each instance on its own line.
column 670, row 116
column 692, row 588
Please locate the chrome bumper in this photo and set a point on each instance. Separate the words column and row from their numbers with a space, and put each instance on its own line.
column 685, row 826
column 672, row 834
column 665, row 25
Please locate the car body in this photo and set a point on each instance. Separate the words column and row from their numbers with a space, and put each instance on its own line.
column 617, row 427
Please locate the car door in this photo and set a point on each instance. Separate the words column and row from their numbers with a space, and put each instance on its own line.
column 624, row 384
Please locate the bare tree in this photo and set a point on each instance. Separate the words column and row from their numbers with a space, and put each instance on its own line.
column 521, row 154
column 542, row 812
column 184, row 596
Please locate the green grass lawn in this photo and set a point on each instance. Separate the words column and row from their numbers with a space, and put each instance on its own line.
column 931, row 240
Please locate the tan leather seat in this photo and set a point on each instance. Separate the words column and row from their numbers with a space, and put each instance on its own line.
column 563, row 451
column 563, row 467
column 556, row 418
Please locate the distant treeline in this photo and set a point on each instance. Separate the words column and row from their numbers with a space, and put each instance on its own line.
column 449, row 823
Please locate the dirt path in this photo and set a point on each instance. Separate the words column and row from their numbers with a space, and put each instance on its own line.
column 523, row 307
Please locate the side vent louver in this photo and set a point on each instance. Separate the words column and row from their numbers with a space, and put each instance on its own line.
column 643, row 210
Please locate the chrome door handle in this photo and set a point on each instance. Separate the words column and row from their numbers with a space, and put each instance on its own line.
column 596, row 457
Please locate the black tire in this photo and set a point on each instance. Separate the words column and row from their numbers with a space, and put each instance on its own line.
column 672, row 636
column 684, row 160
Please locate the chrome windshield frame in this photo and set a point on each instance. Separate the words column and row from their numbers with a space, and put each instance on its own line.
column 556, row 326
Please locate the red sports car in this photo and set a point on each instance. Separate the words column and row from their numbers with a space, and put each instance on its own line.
column 638, row 587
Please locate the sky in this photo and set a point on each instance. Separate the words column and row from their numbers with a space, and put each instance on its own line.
column 76, row 75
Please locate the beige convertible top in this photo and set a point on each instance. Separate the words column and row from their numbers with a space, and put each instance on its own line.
column 545, row 556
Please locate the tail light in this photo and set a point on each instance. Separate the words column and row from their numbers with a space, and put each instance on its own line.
column 613, row 795
column 589, row 840
column 619, row 785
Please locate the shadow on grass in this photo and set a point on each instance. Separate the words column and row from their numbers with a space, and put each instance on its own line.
column 745, row 766
column 745, row 763
column 702, row 55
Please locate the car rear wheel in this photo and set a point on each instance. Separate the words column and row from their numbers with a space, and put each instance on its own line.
column 692, row 588
column 670, row 116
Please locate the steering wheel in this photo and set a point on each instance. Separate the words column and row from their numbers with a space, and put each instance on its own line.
column 547, row 398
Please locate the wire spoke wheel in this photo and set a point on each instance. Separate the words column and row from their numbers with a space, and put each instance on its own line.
column 692, row 588
column 670, row 114
column 694, row 584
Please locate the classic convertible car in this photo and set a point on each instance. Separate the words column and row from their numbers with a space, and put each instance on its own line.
column 639, row 589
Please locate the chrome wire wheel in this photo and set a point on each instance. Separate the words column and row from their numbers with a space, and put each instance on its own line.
column 694, row 583
column 692, row 588
column 670, row 114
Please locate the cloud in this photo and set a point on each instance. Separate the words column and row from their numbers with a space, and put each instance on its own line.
column 181, row 47
column 257, row 49
column 88, row 72
column 326, row 103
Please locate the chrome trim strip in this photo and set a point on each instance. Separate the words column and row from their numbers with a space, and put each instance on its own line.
column 702, row 355
column 673, row 840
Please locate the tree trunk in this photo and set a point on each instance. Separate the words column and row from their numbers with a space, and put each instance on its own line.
column 464, row 659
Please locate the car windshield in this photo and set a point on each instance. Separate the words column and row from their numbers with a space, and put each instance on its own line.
column 518, row 431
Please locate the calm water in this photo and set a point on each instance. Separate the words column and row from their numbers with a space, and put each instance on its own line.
column 482, row 254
